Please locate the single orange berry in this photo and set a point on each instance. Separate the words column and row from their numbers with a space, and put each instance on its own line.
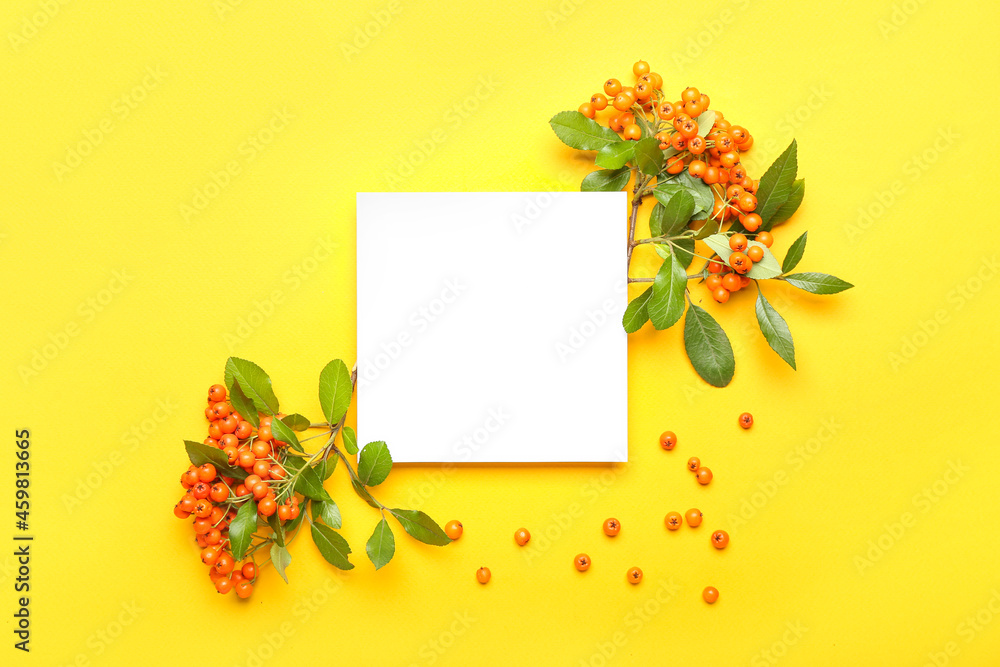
column 612, row 527
column 721, row 295
column 668, row 440
column 634, row 575
column 673, row 521
column 746, row 420
column 731, row 282
column 244, row 589
column 223, row 585
column 740, row 262
column 720, row 539
column 483, row 575
column 453, row 529
column 588, row 110
column 693, row 517
column 755, row 253
column 693, row 464
column 522, row 536
column 640, row 67
column 633, row 132
column 612, row 87
column 751, row 222
column 714, row 282
column 710, row 594
column 704, row 475
column 764, row 238
column 216, row 393
column 738, row 242
column 582, row 562
column 600, row 102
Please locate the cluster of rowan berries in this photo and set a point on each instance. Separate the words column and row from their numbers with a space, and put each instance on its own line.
column 213, row 498
column 724, row 279
column 712, row 155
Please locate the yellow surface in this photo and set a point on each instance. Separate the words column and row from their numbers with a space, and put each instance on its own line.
column 305, row 110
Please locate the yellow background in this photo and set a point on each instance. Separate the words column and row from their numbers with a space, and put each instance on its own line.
column 894, row 105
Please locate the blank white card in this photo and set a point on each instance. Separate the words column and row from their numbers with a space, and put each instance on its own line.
column 489, row 326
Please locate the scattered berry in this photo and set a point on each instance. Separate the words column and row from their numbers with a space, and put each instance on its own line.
column 453, row 529
column 634, row 575
column 483, row 575
column 710, row 594
column 720, row 539
column 693, row 517
column 673, row 521
column 522, row 536
column 612, row 527
column 746, row 420
column 582, row 562
column 704, row 475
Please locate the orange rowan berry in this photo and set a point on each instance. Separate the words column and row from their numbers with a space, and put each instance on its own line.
column 673, row 521
column 634, row 575
column 244, row 589
column 693, row 517
column 640, row 67
column 739, row 133
column 229, row 424
column 223, row 585
column 246, row 458
column 715, row 266
column 262, row 469
column 225, row 563
column 249, row 571
column 213, row 536
column 202, row 526
column 180, row 513
column 755, row 253
column 690, row 94
column 219, row 492
column 751, row 222
column 738, row 242
column 221, row 410
column 693, row 463
column 746, row 420
column 587, row 109
column 216, row 393
column 581, row 562
column 453, row 529
column 704, row 475
column 264, row 432
column 201, row 490
column 731, row 282
column 214, row 430
column 633, row 132
column 267, row 507
column 747, row 202
column 713, row 282
column 643, row 90
column 740, row 262
column 720, row 539
column 668, row 440
column 209, row 555
column 284, row 512
column 277, row 472
column 599, row 102
column 665, row 110
column 764, row 238
column 612, row 87
column 675, row 165
column 243, row 430
column 721, row 295
column 612, row 527
column 710, row 594
column 521, row 536
column 710, row 176
column 483, row 575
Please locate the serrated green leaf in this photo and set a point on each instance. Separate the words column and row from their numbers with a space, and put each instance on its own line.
column 684, row 251
column 776, row 184
column 606, row 180
column 615, row 156
column 708, row 347
column 364, row 494
column 332, row 546
column 328, row 511
column 704, row 200
column 381, row 545
column 199, row 453
column 766, row 268
column 282, row 433
column 705, row 122
column 374, row 464
column 326, row 467
column 789, row 207
column 243, row 405
column 794, row 253
column 636, row 314
column 656, row 220
column 281, row 559
column 296, row 422
column 241, row 529
column 678, row 205
column 310, row 485
column 577, row 131
column 254, row 382
column 335, row 390
column 666, row 303
column 350, row 440
column 818, row 283
column 648, row 156
column 775, row 329
column 421, row 527
column 279, row 532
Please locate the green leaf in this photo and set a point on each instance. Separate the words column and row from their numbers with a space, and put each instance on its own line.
column 818, row 283
column 656, row 220
column 708, row 347
column 241, row 529
column 296, row 422
column 705, row 122
column 310, row 485
column 789, row 207
column 678, row 205
column 648, row 156
column 281, row 432
column 421, row 527
column 606, row 180
column 776, row 184
column 326, row 467
column 375, row 463
column 200, row 454
column 381, row 545
column 281, row 559
column 335, row 391
column 364, row 494
column 254, row 382
column 328, row 511
column 331, row 545
column 279, row 532
column 577, row 131
column 666, row 303
column 794, row 254
column 243, row 405
column 636, row 314
column 775, row 329
column 767, row 267
column 350, row 440
column 704, row 200
column 710, row 227
column 615, row 156
column 684, row 251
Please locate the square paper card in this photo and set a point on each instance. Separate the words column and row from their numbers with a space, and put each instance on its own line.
column 489, row 326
